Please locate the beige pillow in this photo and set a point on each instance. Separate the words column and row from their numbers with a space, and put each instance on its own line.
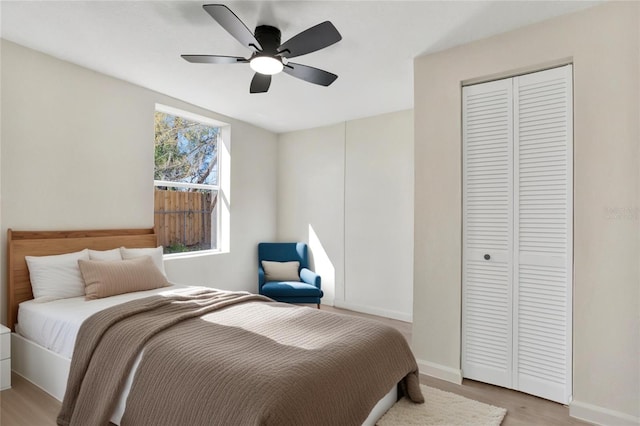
column 280, row 271
column 102, row 279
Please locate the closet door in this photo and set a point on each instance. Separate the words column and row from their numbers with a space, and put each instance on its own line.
column 487, row 232
column 543, row 229
column 517, row 233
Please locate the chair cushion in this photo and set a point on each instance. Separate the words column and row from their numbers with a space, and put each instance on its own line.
column 290, row 289
column 281, row 271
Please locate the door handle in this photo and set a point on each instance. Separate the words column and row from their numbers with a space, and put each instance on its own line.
column 487, row 257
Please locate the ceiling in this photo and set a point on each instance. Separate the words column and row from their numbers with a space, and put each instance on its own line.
column 141, row 42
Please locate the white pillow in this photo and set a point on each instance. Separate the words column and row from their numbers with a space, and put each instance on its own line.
column 280, row 271
column 56, row 277
column 113, row 254
column 155, row 253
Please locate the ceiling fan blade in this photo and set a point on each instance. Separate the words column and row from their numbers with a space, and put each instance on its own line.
column 213, row 59
column 234, row 26
column 260, row 83
column 310, row 74
column 315, row 38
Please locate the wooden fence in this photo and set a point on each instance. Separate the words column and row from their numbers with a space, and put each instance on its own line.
column 183, row 219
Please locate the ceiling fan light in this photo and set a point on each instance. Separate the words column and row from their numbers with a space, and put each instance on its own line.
column 266, row 65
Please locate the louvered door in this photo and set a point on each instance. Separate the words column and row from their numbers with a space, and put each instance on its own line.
column 543, row 222
column 529, row 286
column 487, row 232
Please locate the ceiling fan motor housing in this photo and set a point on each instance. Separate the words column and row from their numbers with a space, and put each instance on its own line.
column 269, row 38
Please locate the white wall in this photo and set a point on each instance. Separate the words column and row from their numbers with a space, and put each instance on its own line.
column 311, row 200
column 351, row 185
column 379, row 215
column 77, row 153
column 604, row 45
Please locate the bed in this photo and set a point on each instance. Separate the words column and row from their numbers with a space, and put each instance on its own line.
column 45, row 360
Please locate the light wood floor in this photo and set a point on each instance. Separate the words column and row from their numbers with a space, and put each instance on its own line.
column 27, row 405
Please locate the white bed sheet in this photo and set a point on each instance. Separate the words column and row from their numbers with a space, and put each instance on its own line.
column 55, row 324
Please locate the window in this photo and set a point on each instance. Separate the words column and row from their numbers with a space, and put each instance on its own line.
column 187, row 178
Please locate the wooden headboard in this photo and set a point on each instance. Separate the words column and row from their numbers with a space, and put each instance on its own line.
column 46, row 243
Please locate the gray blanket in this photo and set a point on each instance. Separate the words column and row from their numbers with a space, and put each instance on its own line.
column 223, row 358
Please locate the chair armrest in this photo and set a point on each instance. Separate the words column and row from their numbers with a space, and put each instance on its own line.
column 260, row 277
column 310, row 277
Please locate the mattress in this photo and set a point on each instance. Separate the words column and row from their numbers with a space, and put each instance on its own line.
column 55, row 324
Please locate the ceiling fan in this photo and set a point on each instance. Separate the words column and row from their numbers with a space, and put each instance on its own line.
column 269, row 56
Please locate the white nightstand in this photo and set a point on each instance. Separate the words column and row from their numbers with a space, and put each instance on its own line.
column 5, row 358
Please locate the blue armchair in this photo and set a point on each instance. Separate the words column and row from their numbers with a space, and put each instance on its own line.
column 306, row 290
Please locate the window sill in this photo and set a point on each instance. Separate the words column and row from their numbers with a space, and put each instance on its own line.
column 193, row 254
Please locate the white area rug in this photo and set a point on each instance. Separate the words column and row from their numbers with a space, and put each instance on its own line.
column 442, row 408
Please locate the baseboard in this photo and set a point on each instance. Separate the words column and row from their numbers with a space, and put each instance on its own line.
column 442, row 372
column 327, row 301
column 601, row 416
column 400, row 316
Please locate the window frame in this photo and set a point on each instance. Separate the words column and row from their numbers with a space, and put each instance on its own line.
column 222, row 186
